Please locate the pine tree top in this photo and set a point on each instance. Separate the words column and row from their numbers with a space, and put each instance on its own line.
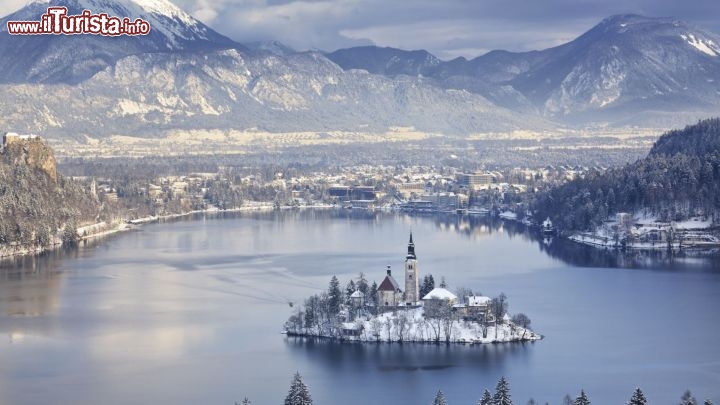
column 299, row 393
column 582, row 399
column 638, row 398
column 502, row 393
column 486, row 398
column 439, row 399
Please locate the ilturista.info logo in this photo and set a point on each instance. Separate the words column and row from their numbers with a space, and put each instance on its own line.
column 57, row 22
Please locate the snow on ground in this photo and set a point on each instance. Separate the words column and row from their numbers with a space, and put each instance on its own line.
column 410, row 325
column 648, row 232
column 705, row 46
column 693, row 223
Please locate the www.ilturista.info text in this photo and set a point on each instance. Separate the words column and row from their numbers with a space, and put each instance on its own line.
column 57, row 22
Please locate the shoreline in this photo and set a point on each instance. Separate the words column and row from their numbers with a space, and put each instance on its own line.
column 103, row 229
column 347, row 339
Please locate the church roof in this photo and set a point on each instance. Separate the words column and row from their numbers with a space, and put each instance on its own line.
column 477, row 301
column 440, row 293
column 357, row 294
column 389, row 284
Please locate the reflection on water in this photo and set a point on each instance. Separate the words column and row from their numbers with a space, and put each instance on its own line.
column 588, row 256
column 190, row 312
column 388, row 357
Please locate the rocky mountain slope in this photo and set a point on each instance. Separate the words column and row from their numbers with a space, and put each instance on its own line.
column 187, row 77
column 626, row 70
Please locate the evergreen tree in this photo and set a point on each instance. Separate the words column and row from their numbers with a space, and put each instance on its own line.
column 362, row 285
column 299, row 393
column 439, row 399
column 373, row 293
column 486, row 398
column 349, row 289
column 502, row 393
column 334, row 296
column 638, row 398
column 688, row 398
column 245, row 401
column 582, row 399
column 428, row 284
column 707, row 402
column 567, row 400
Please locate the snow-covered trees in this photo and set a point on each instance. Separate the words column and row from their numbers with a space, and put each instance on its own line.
column 299, row 393
column 687, row 399
column 521, row 320
column 499, row 307
column 679, row 178
column 486, row 398
column 349, row 289
column 373, row 293
column 582, row 399
column 502, row 393
column 638, row 398
column 334, row 296
column 362, row 284
column 427, row 285
column 33, row 207
column 439, row 399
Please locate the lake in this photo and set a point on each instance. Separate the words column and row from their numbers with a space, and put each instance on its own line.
column 190, row 312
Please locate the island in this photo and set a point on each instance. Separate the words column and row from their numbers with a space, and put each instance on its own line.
column 419, row 312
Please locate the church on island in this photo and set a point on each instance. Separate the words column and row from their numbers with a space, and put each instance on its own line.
column 390, row 295
column 389, row 292
column 397, row 312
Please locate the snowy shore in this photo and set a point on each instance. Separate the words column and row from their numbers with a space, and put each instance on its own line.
column 102, row 229
column 649, row 233
column 410, row 325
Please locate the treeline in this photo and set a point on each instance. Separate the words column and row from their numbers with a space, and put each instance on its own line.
column 299, row 394
column 678, row 179
column 35, row 212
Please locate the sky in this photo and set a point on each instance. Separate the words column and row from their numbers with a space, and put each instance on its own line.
column 446, row 28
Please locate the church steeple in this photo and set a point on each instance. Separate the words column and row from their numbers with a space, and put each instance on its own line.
column 412, row 286
column 411, row 249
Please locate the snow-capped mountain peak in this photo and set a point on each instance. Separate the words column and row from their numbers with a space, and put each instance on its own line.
column 76, row 58
column 707, row 46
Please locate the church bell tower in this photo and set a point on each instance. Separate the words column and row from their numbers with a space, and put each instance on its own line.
column 411, row 275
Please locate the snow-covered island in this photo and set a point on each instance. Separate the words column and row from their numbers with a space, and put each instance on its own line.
column 417, row 313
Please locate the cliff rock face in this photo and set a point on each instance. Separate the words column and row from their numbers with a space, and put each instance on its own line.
column 32, row 151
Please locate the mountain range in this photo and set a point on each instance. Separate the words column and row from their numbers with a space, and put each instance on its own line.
column 628, row 70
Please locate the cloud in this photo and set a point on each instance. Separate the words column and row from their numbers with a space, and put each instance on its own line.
column 447, row 28
column 10, row 6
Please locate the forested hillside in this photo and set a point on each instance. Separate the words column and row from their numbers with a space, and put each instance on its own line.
column 35, row 210
column 679, row 178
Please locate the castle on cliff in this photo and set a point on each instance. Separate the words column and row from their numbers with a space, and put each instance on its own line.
column 30, row 150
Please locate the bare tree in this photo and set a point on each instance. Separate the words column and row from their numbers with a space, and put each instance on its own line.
column 499, row 308
column 522, row 321
column 401, row 325
column 388, row 325
column 375, row 328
